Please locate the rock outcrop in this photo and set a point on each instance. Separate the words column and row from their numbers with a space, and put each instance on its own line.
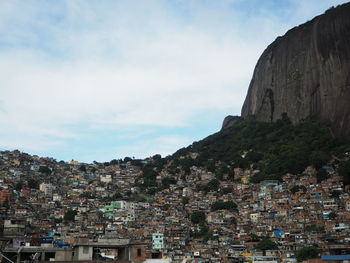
column 229, row 121
column 306, row 73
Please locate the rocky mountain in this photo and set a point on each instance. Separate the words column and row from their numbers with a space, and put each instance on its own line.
column 306, row 73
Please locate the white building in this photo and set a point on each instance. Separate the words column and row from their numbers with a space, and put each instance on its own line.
column 157, row 241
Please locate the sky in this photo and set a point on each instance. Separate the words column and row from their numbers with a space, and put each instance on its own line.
column 96, row 80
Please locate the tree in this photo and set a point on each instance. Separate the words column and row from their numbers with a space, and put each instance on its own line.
column 117, row 196
column 332, row 215
column 82, row 168
column 297, row 188
column 321, row 175
column 165, row 207
column 33, row 184
column 314, row 228
column 318, row 158
column 226, row 190
column 137, row 162
column 70, row 215
column 336, row 193
column 213, row 185
column 198, row 217
column 127, row 159
column 166, row 181
column 204, row 232
column 152, row 190
column 185, row 200
column 253, row 157
column 344, row 171
column 114, row 162
column 307, row 253
column 220, row 205
column 44, row 169
column 149, row 176
column 19, row 186
column 266, row 244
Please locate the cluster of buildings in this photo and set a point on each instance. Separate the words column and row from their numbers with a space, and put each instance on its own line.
column 63, row 211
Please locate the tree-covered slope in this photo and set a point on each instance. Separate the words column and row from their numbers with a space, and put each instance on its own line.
column 275, row 148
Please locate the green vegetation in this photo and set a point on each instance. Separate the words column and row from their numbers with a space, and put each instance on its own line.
column 298, row 188
column 344, row 170
column 148, row 178
column 185, row 200
column 220, row 205
column 266, row 244
column 272, row 148
column 321, row 175
column 332, row 215
column 314, row 228
column 19, row 186
column 198, row 217
column 307, row 253
column 70, row 215
column 226, row 190
column 212, row 185
column 88, row 195
column 165, row 207
column 45, row 170
column 275, row 148
column 318, row 158
column 335, row 194
column 204, row 232
column 82, row 168
column 33, row 184
column 167, row 181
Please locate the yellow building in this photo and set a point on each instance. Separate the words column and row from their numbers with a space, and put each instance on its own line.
column 245, row 180
column 73, row 162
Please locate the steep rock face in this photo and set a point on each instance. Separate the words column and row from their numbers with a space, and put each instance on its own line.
column 306, row 73
column 229, row 121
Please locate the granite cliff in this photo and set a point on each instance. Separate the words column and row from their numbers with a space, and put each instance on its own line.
column 306, row 73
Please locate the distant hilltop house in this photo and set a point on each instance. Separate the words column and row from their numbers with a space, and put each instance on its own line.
column 73, row 162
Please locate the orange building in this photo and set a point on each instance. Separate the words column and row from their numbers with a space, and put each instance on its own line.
column 5, row 195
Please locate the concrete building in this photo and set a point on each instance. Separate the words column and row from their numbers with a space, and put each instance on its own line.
column 157, row 241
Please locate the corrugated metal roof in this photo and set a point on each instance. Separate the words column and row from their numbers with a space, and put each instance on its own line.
column 335, row 257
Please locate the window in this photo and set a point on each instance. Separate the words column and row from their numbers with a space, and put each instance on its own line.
column 139, row 252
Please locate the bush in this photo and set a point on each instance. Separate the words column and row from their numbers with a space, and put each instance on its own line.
column 213, row 185
column 70, row 215
column 33, row 184
column 220, row 205
column 166, row 181
column 185, row 200
column 297, row 188
column 274, row 148
column 44, row 169
column 198, row 217
column 266, row 244
column 344, row 171
column 321, row 175
column 318, row 158
column 307, row 253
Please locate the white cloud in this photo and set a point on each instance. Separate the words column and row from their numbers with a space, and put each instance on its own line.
column 115, row 64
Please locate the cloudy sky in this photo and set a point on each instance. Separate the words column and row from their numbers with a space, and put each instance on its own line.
column 98, row 79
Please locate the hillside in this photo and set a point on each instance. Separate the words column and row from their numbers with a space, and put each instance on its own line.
column 273, row 148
